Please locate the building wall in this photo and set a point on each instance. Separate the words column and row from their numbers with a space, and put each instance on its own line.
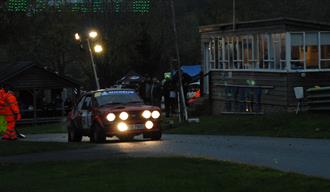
column 260, row 92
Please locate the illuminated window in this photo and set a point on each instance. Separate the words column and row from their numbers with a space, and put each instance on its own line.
column 312, row 52
column 297, row 51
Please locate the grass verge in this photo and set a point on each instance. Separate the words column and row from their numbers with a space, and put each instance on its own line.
column 304, row 125
column 152, row 174
column 20, row 147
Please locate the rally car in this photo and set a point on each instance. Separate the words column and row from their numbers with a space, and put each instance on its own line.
column 113, row 112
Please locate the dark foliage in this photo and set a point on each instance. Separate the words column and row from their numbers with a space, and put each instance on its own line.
column 138, row 42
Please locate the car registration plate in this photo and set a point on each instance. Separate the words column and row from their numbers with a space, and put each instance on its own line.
column 136, row 127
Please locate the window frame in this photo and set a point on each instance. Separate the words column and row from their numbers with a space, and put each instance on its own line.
column 320, row 51
column 211, row 54
column 222, row 60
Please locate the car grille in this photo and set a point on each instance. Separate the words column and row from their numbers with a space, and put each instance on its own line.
column 135, row 115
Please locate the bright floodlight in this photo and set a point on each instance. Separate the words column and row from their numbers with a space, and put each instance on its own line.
column 92, row 34
column 76, row 36
column 146, row 114
column 98, row 48
column 155, row 114
column 111, row 117
column 123, row 116
column 122, row 127
column 149, row 124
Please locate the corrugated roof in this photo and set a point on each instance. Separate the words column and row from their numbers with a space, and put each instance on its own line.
column 310, row 24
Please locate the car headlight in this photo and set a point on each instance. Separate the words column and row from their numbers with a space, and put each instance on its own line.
column 146, row 114
column 111, row 117
column 149, row 124
column 155, row 114
column 122, row 127
column 123, row 116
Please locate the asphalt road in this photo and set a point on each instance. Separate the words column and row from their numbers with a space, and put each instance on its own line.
column 306, row 156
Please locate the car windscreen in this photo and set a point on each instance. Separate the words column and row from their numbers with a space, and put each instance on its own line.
column 116, row 97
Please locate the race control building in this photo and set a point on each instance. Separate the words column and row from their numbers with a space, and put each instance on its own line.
column 254, row 66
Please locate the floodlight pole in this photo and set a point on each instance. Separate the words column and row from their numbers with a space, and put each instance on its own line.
column 182, row 97
column 93, row 65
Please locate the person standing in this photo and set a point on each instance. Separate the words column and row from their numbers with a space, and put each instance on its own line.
column 156, row 92
column 147, row 90
column 166, row 93
column 12, row 114
column 170, row 97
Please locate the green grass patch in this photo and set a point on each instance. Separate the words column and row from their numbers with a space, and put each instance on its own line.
column 24, row 147
column 43, row 128
column 304, row 125
column 152, row 174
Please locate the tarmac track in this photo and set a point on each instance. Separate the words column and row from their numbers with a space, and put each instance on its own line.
column 306, row 156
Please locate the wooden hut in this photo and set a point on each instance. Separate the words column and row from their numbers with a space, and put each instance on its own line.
column 43, row 96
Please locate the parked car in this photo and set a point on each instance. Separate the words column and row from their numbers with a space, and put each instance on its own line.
column 193, row 92
column 193, row 88
column 113, row 112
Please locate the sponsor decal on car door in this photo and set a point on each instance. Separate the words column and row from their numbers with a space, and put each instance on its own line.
column 86, row 114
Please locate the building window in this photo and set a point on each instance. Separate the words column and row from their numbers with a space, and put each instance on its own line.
column 277, row 51
column 325, row 50
column 238, row 47
column 263, row 51
column 226, row 53
column 297, row 51
column 283, row 50
column 220, row 53
column 312, row 51
column 248, row 51
column 269, row 49
column 212, row 54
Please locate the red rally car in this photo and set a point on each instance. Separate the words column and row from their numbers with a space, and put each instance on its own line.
column 113, row 112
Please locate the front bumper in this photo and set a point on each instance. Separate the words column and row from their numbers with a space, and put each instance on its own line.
column 134, row 128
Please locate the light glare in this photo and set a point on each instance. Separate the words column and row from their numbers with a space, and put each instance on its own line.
column 149, row 124
column 122, row 127
column 76, row 36
column 123, row 116
column 146, row 114
column 93, row 34
column 111, row 117
column 98, row 48
column 155, row 114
